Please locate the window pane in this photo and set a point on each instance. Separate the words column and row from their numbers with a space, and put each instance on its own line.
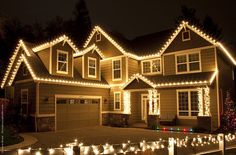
column 117, row 100
column 183, row 101
column 147, row 67
column 186, row 35
column 92, row 63
column 182, row 67
column 116, row 64
column 194, row 66
column 92, row 71
column 183, row 113
column 24, row 96
column 156, row 65
column 62, row 57
column 117, row 74
column 181, row 59
column 194, row 101
column 62, row 66
column 193, row 57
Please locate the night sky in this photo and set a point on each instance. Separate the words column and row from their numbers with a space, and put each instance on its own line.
column 130, row 17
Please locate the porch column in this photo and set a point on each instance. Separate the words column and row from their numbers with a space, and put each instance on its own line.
column 153, row 103
column 127, row 105
column 200, row 102
column 204, row 101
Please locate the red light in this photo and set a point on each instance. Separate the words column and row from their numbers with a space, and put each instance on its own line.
column 164, row 129
column 185, row 130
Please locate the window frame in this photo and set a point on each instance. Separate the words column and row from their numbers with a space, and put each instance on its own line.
column 117, row 79
column 67, row 62
column 24, row 70
column 114, row 101
column 188, row 63
column 23, row 102
column 151, row 62
column 188, row 31
column 89, row 75
column 98, row 38
column 189, row 103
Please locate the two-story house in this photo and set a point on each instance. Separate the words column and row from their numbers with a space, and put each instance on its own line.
column 181, row 72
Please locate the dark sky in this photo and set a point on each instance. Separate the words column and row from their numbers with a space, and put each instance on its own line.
column 130, row 17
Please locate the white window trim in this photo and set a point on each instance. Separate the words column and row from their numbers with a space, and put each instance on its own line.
column 118, row 92
column 100, row 37
column 119, row 79
column 188, row 31
column 67, row 62
column 92, row 76
column 189, row 103
column 187, row 62
column 27, row 102
column 151, row 73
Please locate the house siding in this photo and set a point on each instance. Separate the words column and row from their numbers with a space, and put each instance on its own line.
column 133, row 67
column 169, row 64
column 106, row 70
column 45, row 57
column 107, row 48
column 78, row 64
column 47, row 94
column 195, row 42
column 63, row 47
column 208, row 60
column 92, row 55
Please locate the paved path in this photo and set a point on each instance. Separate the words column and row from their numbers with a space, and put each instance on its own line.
column 28, row 140
column 101, row 135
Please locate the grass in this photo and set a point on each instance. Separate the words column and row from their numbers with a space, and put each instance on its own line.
column 10, row 136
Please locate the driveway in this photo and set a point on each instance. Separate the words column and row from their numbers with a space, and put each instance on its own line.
column 101, row 135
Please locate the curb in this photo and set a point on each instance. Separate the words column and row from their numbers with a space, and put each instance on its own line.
column 28, row 140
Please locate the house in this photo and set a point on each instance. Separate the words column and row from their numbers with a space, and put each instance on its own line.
column 182, row 73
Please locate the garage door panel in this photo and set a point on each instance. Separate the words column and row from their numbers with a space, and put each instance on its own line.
column 76, row 115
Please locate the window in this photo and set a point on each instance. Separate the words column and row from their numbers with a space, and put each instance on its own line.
column 187, row 103
column 92, row 65
column 188, row 63
column 81, row 101
column 24, row 101
column 186, row 35
column 116, row 70
column 62, row 62
column 98, row 37
column 117, row 101
column 151, row 66
column 24, row 70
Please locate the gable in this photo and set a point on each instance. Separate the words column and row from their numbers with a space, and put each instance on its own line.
column 105, row 45
column 195, row 41
column 20, row 75
column 138, row 84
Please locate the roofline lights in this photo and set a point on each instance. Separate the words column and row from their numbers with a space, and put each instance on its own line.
column 88, row 49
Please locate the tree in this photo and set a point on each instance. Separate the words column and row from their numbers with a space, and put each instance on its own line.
column 207, row 25
column 229, row 115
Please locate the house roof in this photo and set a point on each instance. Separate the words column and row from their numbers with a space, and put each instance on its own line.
column 156, row 81
column 39, row 72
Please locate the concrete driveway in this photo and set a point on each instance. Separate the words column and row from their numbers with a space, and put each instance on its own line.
column 101, row 135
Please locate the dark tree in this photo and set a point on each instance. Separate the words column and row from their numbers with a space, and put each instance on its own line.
column 55, row 27
column 207, row 25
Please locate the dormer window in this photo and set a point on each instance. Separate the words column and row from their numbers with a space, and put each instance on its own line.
column 186, row 35
column 92, row 67
column 151, row 66
column 98, row 37
column 24, row 70
column 62, row 62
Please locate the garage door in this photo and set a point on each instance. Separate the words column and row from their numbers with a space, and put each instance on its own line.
column 73, row 113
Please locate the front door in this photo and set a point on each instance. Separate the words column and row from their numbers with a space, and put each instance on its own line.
column 144, row 107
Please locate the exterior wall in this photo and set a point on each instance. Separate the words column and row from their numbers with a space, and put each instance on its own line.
column 66, row 47
column 106, row 70
column 195, row 42
column 225, row 74
column 45, row 57
column 92, row 55
column 207, row 56
column 107, row 48
column 133, row 67
column 78, row 64
column 31, row 86
column 47, row 95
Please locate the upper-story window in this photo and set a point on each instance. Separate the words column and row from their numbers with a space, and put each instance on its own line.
column 117, row 101
column 98, row 37
column 186, row 35
column 151, row 66
column 24, row 101
column 188, row 63
column 92, row 67
column 62, row 62
column 24, row 70
column 116, row 70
